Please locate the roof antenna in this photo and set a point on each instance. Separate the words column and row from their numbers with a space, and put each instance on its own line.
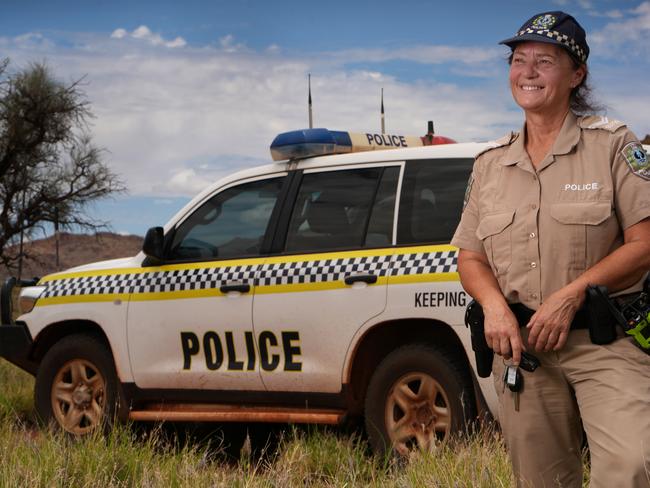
column 430, row 133
column 383, row 123
column 311, row 118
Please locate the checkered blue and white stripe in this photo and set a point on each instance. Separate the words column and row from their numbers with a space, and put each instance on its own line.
column 150, row 282
column 322, row 270
column 424, row 263
column 559, row 37
column 286, row 273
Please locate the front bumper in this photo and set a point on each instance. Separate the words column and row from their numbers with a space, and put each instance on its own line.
column 15, row 340
column 15, row 346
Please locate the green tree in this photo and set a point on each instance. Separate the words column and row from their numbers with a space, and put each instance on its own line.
column 49, row 168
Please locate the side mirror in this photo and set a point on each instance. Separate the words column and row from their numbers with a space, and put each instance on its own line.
column 153, row 245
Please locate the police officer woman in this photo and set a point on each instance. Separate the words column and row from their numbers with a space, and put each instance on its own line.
column 562, row 204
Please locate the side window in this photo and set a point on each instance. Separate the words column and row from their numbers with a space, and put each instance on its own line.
column 333, row 210
column 229, row 225
column 432, row 200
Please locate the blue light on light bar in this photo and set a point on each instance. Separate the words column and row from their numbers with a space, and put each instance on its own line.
column 306, row 143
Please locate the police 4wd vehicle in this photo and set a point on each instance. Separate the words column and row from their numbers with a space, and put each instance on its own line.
column 310, row 290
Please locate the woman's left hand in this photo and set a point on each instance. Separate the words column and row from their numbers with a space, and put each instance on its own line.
column 549, row 326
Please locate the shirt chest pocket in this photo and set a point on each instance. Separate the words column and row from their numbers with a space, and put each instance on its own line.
column 495, row 230
column 582, row 227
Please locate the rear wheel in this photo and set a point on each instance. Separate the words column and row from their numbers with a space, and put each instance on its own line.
column 76, row 385
column 417, row 398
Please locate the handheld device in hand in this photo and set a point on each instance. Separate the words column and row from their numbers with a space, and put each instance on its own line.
column 528, row 362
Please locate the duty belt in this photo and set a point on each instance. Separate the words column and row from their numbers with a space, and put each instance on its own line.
column 523, row 314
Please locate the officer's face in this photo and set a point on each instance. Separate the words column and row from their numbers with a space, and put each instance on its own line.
column 542, row 76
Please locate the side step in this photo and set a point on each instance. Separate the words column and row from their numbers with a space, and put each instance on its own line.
column 179, row 412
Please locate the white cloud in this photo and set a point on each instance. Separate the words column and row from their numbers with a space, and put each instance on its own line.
column 625, row 100
column 185, row 181
column 33, row 40
column 584, row 4
column 625, row 38
column 144, row 33
column 422, row 54
column 589, row 7
column 177, row 42
column 174, row 120
column 273, row 49
column 613, row 14
column 229, row 45
column 609, row 14
column 119, row 34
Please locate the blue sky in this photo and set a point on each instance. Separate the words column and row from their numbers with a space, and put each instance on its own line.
column 186, row 92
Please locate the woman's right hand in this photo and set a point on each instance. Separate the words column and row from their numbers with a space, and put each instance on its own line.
column 502, row 331
column 501, row 327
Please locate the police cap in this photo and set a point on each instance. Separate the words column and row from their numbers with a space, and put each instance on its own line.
column 554, row 28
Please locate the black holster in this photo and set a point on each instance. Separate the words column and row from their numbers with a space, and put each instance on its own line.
column 603, row 316
column 474, row 319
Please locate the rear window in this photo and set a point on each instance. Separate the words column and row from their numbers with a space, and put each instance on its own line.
column 432, row 200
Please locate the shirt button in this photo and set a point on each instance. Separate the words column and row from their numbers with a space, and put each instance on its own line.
column 533, row 264
column 534, row 206
column 532, row 235
column 534, row 295
column 535, row 177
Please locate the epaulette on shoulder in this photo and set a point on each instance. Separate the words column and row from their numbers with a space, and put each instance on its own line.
column 504, row 141
column 600, row 122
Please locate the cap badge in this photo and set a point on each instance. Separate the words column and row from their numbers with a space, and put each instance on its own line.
column 544, row 22
column 637, row 159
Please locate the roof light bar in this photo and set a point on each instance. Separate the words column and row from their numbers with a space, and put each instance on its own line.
column 307, row 143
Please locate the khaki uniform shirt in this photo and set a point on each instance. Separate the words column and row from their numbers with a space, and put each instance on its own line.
column 541, row 229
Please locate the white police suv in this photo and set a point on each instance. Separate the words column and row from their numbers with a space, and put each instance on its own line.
column 314, row 289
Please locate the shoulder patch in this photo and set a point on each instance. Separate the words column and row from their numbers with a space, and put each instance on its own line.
column 637, row 159
column 504, row 141
column 600, row 122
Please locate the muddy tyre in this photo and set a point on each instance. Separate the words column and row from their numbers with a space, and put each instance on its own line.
column 76, row 386
column 418, row 397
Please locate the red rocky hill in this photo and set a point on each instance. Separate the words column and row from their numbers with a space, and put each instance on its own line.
column 74, row 249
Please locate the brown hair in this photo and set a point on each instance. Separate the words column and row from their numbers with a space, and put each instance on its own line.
column 582, row 101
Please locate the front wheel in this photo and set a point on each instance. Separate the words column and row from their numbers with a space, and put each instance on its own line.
column 76, row 385
column 417, row 398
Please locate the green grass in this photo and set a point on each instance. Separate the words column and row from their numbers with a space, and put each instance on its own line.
column 150, row 457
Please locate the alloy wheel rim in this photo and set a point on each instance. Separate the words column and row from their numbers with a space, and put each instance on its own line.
column 78, row 399
column 417, row 415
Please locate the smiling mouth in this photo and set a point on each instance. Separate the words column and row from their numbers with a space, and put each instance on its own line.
column 530, row 87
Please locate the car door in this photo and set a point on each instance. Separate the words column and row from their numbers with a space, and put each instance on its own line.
column 329, row 277
column 424, row 280
column 191, row 326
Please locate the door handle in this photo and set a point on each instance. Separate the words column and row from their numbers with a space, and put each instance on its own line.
column 240, row 287
column 363, row 278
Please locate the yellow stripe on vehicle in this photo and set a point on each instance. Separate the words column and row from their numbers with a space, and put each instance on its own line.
column 277, row 274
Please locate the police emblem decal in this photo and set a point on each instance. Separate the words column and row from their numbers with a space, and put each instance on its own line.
column 637, row 159
column 544, row 22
